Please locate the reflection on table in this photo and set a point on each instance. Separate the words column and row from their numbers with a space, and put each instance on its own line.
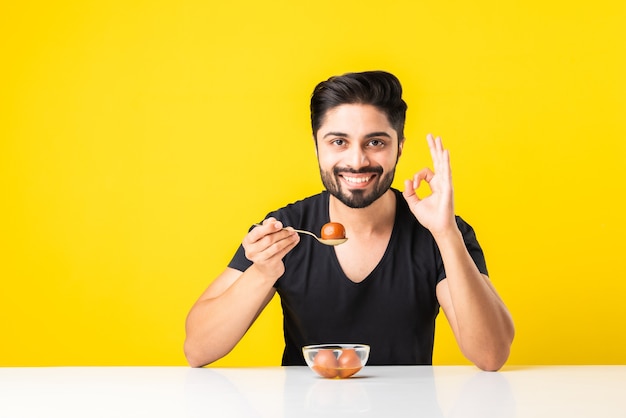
column 377, row 391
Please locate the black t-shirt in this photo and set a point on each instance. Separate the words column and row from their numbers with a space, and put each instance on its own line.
column 393, row 309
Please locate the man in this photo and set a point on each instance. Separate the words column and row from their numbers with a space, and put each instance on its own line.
column 405, row 257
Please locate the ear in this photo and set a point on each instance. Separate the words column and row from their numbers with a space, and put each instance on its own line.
column 400, row 146
column 315, row 144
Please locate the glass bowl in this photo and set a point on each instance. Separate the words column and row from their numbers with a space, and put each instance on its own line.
column 336, row 360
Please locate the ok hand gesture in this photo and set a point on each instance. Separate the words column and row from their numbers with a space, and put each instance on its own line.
column 436, row 211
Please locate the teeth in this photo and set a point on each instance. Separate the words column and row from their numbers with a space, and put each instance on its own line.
column 356, row 179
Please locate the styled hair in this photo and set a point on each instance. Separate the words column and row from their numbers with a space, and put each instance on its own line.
column 377, row 88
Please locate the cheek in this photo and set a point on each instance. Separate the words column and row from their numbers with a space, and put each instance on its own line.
column 391, row 161
column 327, row 162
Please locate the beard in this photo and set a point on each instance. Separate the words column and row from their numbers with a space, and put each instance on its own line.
column 357, row 199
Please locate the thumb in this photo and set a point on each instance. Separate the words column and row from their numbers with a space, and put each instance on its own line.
column 409, row 193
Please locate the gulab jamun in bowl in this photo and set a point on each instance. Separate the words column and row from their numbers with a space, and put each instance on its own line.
column 336, row 361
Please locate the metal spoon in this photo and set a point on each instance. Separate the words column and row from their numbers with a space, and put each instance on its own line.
column 336, row 241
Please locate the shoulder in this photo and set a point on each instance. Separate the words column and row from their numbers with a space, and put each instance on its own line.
column 304, row 213
column 472, row 245
column 308, row 202
column 466, row 229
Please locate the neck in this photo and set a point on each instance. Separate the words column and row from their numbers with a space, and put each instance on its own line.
column 377, row 217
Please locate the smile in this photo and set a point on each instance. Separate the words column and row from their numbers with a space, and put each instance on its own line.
column 356, row 180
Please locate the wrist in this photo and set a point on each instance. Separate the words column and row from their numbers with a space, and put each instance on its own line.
column 447, row 235
column 267, row 275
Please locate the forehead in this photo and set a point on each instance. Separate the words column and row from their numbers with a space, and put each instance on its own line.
column 355, row 118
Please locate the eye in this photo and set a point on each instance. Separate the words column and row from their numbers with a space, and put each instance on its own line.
column 376, row 143
column 338, row 141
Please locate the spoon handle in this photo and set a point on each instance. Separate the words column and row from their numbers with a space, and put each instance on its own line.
column 307, row 232
column 300, row 231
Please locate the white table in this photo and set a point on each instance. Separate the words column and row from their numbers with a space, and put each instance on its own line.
column 377, row 391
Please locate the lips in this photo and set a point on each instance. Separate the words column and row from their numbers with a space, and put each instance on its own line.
column 356, row 180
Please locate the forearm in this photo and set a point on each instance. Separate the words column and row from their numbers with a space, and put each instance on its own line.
column 480, row 320
column 215, row 324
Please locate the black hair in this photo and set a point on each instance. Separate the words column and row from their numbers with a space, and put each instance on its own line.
column 377, row 88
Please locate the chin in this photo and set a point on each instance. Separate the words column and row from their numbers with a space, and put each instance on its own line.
column 356, row 199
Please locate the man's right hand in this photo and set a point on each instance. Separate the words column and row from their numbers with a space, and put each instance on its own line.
column 266, row 245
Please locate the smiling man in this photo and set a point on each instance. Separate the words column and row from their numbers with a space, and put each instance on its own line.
column 359, row 181
column 405, row 258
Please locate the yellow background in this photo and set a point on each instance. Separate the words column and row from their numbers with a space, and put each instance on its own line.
column 140, row 139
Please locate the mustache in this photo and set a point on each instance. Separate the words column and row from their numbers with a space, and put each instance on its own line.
column 372, row 170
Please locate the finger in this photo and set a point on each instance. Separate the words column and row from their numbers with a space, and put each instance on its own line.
column 409, row 193
column 425, row 174
column 409, row 188
column 278, row 248
column 431, row 145
column 266, row 246
column 434, row 148
column 276, row 224
column 283, row 246
column 438, row 159
column 441, row 161
column 445, row 165
column 439, row 145
column 267, row 227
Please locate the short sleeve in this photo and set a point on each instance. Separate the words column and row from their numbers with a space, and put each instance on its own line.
column 473, row 248
column 239, row 260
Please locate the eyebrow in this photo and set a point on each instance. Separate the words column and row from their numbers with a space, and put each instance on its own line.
column 370, row 135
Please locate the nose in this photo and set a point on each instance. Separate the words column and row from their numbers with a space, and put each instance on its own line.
column 357, row 158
